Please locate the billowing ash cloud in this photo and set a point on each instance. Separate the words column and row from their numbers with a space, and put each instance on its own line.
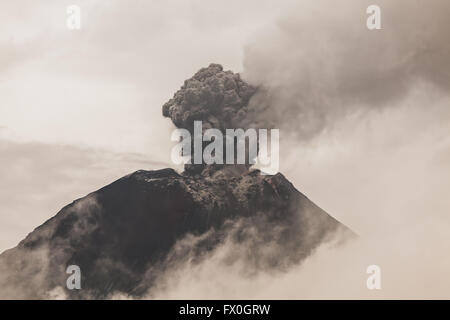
column 320, row 63
column 216, row 97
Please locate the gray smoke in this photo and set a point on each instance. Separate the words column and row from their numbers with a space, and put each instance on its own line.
column 320, row 63
column 216, row 97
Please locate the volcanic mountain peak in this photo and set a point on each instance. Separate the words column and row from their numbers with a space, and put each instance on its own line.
column 127, row 235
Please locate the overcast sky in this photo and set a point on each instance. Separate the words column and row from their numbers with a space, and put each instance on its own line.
column 100, row 88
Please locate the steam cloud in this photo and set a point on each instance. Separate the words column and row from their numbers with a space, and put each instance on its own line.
column 316, row 67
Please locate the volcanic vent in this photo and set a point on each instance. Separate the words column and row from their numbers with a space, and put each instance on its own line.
column 127, row 234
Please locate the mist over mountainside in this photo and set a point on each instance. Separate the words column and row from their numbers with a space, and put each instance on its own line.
column 122, row 236
column 125, row 236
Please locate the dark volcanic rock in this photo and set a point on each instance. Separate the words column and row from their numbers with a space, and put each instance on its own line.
column 122, row 234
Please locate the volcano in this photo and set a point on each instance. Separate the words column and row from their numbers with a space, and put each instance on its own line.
column 124, row 236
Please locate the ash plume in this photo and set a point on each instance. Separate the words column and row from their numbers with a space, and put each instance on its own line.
column 216, row 97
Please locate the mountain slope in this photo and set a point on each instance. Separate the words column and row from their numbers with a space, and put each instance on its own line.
column 122, row 236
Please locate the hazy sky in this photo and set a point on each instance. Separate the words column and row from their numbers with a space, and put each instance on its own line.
column 100, row 88
column 363, row 114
